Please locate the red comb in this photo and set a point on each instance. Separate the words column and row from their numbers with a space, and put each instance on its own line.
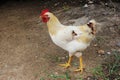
column 44, row 11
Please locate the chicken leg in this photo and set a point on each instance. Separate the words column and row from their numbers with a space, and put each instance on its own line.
column 66, row 65
column 81, row 65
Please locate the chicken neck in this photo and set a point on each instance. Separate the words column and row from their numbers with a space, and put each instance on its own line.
column 54, row 25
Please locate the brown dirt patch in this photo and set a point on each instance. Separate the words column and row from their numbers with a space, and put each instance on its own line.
column 27, row 52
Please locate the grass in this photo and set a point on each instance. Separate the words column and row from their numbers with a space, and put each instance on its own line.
column 110, row 70
column 42, row 79
column 65, row 76
column 97, row 72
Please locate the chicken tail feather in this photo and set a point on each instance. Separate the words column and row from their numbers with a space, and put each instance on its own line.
column 91, row 24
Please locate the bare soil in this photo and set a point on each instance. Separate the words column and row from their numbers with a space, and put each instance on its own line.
column 27, row 52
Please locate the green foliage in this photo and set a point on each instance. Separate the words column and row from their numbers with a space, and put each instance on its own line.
column 56, row 76
column 98, row 72
column 65, row 76
column 79, row 78
column 42, row 79
column 113, row 67
column 52, row 76
column 110, row 69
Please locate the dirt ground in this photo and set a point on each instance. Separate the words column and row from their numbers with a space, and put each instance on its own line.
column 27, row 52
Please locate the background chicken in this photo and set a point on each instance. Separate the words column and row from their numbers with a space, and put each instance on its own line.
column 73, row 39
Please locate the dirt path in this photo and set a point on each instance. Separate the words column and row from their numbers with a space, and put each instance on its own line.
column 27, row 52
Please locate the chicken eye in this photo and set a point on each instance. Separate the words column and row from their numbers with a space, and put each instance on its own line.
column 46, row 15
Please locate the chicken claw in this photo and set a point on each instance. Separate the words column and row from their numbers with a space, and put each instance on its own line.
column 80, row 69
column 66, row 65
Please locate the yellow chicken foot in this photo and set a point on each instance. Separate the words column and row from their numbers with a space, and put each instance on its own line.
column 67, row 65
column 81, row 66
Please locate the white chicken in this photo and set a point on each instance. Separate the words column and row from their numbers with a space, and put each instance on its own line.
column 73, row 39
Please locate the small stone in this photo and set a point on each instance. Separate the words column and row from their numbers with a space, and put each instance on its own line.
column 106, row 4
column 109, row 53
column 86, row 5
column 56, row 4
column 56, row 73
column 101, row 51
column 90, row 78
column 90, row 2
column 95, row 45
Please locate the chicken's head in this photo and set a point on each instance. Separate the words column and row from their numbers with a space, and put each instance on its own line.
column 44, row 15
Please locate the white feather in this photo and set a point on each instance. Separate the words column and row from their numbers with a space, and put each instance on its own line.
column 67, row 41
column 69, row 37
